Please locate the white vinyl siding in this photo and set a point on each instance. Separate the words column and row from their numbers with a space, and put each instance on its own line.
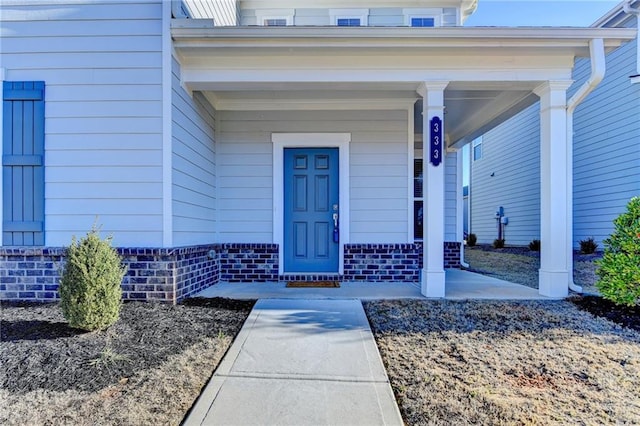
column 223, row 12
column 375, row 17
column 450, row 195
column 511, row 153
column 378, row 169
column 194, row 166
column 606, row 157
column 103, row 115
column 607, row 146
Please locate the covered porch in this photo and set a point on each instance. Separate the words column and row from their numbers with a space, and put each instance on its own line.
column 460, row 285
column 291, row 85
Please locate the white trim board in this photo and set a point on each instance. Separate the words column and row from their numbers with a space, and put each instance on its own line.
column 309, row 140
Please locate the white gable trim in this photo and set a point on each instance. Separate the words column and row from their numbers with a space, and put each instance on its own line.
column 308, row 140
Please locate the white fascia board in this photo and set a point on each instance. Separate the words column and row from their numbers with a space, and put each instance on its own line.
column 207, row 36
column 199, row 79
column 309, row 104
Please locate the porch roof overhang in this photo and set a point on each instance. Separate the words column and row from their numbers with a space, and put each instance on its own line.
column 492, row 71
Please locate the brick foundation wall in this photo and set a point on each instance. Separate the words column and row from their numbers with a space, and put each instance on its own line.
column 382, row 262
column 248, row 262
column 158, row 274
column 170, row 275
column 30, row 273
column 452, row 254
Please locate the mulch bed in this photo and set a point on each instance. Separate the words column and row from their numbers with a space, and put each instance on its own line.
column 38, row 350
column 624, row 315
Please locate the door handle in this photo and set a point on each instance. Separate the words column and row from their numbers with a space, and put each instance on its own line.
column 335, row 220
column 336, row 230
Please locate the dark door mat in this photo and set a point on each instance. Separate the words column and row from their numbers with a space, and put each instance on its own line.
column 313, row 284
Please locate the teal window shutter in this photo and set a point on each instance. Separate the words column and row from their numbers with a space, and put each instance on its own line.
column 23, row 163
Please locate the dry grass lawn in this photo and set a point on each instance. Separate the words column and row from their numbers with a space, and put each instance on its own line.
column 486, row 362
column 521, row 266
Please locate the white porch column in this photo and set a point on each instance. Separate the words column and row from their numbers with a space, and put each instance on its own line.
column 433, row 234
column 555, row 168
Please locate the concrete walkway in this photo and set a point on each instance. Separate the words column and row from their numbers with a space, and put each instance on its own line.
column 300, row 362
column 459, row 285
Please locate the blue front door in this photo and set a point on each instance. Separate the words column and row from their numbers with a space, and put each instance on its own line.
column 311, row 222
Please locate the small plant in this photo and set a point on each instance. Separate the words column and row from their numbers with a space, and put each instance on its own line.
column 498, row 244
column 534, row 245
column 107, row 358
column 90, row 292
column 619, row 269
column 588, row 246
column 472, row 240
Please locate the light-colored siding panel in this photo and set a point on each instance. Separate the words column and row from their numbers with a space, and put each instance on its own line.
column 102, row 67
column 508, row 175
column 378, row 167
column 606, row 159
column 450, row 195
column 194, row 166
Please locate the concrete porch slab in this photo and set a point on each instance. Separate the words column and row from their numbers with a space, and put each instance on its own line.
column 459, row 285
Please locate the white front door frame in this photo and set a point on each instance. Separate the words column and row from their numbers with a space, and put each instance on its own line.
column 310, row 140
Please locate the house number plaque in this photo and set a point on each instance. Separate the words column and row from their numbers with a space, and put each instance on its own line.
column 435, row 148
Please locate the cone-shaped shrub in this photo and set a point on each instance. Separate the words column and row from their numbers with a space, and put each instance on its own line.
column 619, row 268
column 90, row 286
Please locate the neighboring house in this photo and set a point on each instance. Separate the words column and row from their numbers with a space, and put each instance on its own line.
column 505, row 168
column 287, row 147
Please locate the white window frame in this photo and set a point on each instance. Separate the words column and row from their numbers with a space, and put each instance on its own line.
column 410, row 13
column 475, row 143
column 361, row 14
column 410, row 18
column 263, row 15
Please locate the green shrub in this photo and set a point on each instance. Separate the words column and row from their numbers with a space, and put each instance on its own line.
column 619, row 269
column 534, row 245
column 472, row 240
column 588, row 246
column 90, row 291
column 498, row 243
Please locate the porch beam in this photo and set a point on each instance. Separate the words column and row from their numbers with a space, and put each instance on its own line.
column 433, row 284
column 555, row 162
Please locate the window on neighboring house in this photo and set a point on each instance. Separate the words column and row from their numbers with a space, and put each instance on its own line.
column 275, row 22
column 423, row 22
column 477, row 149
column 23, row 163
column 348, row 22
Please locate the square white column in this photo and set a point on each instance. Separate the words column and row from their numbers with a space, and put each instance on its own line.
column 555, row 169
column 433, row 284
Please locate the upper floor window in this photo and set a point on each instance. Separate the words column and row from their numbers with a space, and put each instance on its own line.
column 275, row 22
column 423, row 21
column 477, row 149
column 348, row 22
column 422, row 16
column 274, row 17
column 349, row 17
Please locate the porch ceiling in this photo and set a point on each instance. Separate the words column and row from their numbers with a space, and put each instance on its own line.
column 492, row 71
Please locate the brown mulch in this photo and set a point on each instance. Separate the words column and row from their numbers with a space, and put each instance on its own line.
column 83, row 376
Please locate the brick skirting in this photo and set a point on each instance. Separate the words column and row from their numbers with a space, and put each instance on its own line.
column 171, row 274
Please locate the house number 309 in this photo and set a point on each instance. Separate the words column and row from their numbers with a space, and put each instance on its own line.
column 435, row 143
